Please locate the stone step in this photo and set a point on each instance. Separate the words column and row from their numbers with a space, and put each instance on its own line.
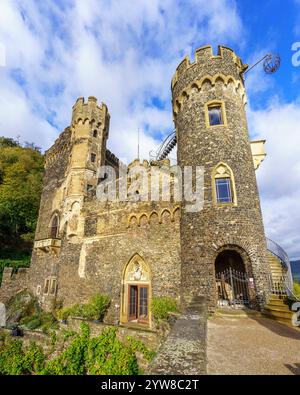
column 277, row 297
column 282, row 320
column 276, row 303
column 278, row 313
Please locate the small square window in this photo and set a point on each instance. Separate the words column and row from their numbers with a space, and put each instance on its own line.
column 215, row 115
column 93, row 158
column 223, row 188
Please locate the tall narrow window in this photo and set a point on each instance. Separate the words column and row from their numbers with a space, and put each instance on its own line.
column 223, row 188
column 54, row 227
column 46, row 286
column 93, row 158
column 53, row 286
column 95, row 133
column 223, row 185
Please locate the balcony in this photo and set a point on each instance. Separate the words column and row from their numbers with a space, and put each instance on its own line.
column 47, row 246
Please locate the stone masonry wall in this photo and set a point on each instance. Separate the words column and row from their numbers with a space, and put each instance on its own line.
column 240, row 226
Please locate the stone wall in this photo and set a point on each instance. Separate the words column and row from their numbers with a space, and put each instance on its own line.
column 12, row 283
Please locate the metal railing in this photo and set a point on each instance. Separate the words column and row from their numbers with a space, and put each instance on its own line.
column 282, row 285
column 232, row 288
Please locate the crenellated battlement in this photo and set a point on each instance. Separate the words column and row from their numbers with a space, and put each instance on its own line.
column 90, row 111
column 226, row 62
column 60, row 148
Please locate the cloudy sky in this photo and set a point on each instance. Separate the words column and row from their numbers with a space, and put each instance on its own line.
column 125, row 52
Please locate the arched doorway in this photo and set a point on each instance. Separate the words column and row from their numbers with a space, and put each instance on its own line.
column 136, row 291
column 232, row 279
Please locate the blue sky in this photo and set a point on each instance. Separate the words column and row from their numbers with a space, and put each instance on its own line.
column 125, row 52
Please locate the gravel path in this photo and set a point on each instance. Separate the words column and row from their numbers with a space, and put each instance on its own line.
column 252, row 346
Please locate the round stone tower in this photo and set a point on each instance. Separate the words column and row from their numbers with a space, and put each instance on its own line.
column 223, row 246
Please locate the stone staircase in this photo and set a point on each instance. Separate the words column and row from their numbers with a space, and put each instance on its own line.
column 184, row 351
column 275, row 266
column 278, row 310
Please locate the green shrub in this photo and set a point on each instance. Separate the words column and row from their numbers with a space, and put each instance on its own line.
column 102, row 355
column 33, row 324
column 72, row 360
column 162, row 307
column 94, row 310
column 137, row 345
column 34, row 359
column 12, row 358
column 109, row 356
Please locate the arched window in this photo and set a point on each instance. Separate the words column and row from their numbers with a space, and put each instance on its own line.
column 54, row 227
column 224, row 192
column 215, row 114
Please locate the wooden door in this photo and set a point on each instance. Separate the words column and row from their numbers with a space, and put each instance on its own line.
column 133, row 302
column 143, row 303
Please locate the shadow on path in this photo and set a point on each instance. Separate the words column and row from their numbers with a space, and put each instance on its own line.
column 295, row 368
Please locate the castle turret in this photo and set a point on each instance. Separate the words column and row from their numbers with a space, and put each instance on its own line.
column 226, row 238
column 90, row 128
column 70, row 170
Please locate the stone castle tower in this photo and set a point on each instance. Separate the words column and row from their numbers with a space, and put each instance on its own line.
column 209, row 112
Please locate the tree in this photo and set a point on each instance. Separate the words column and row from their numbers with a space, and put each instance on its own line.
column 21, row 171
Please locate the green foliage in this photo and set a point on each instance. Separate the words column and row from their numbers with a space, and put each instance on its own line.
column 101, row 355
column 21, row 171
column 34, row 359
column 108, row 355
column 8, row 142
column 15, row 360
column 24, row 309
column 12, row 358
column 72, row 360
column 161, row 307
column 94, row 310
column 138, row 346
column 297, row 289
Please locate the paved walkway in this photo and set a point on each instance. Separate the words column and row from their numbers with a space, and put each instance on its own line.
column 252, row 345
column 184, row 349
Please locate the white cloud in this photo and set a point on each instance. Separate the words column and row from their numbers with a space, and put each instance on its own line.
column 123, row 52
column 279, row 175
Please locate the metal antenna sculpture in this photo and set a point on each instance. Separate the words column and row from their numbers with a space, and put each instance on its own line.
column 271, row 63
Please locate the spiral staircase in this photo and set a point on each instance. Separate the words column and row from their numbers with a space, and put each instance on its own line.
column 281, row 284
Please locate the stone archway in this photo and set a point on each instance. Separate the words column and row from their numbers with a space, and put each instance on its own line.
column 136, row 292
column 233, row 277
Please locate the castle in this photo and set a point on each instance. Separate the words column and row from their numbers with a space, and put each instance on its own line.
column 143, row 249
